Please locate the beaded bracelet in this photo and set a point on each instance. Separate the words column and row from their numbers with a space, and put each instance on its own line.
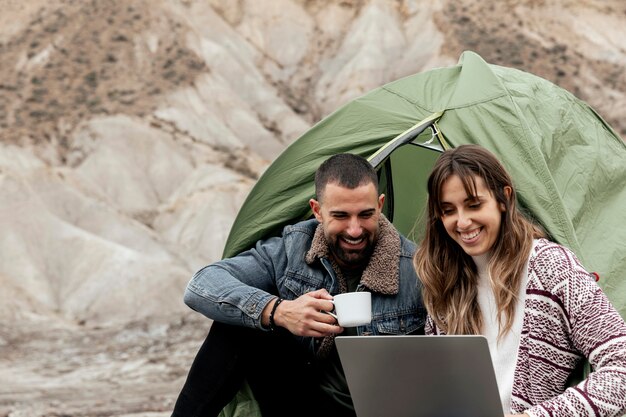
column 272, row 324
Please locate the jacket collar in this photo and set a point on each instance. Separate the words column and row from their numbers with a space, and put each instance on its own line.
column 382, row 272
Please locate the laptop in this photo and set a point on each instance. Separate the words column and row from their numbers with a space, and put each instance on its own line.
column 420, row 376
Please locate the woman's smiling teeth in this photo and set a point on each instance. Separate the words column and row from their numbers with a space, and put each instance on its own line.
column 471, row 234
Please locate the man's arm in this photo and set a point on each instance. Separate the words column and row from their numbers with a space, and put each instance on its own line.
column 236, row 290
column 241, row 291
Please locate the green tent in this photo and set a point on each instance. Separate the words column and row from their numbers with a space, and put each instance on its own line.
column 569, row 166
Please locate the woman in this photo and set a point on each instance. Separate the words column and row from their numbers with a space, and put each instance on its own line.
column 487, row 270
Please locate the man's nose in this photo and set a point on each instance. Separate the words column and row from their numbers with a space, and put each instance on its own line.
column 354, row 228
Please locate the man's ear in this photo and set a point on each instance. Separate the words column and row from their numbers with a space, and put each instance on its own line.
column 381, row 201
column 316, row 208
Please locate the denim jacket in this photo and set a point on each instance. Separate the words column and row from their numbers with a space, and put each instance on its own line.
column 236, row 290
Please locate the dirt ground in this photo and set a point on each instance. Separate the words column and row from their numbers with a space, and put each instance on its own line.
column 137, row 370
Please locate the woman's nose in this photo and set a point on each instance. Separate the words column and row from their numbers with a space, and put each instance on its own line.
column 463, row 221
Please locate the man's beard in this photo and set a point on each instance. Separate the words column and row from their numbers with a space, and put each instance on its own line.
column 357, row 258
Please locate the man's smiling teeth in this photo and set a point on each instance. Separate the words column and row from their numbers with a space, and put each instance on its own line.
column 352, row 241
column 470, row 235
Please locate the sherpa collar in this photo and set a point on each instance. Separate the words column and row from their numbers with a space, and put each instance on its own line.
column 381, row 274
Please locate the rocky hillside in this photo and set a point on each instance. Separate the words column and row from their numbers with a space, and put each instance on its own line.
column 132, row 130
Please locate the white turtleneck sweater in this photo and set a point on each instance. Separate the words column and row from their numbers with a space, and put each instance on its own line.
column 503, row 352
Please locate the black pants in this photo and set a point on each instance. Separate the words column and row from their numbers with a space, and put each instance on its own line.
column 278, row 369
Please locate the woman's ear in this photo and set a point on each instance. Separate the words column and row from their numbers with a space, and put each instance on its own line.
column 508, row 192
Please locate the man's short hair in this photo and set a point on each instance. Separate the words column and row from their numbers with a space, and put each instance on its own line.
column 345, row 169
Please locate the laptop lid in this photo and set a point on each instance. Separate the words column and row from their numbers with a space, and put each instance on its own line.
column 420, row 376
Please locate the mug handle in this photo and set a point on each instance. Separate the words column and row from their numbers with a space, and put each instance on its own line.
column 330, row 312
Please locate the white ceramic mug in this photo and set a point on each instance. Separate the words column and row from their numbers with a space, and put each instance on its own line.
column 353, row 308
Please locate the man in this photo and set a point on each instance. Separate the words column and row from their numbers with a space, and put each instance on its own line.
column 273, row 299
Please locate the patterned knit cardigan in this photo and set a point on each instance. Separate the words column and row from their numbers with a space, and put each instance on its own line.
column 567, row 317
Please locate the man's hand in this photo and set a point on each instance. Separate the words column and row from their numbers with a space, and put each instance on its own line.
column 305, row 316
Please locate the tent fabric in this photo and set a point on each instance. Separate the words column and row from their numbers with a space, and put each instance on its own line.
column 243, row 405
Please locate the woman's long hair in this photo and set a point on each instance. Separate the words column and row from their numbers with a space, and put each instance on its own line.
column 449, row 276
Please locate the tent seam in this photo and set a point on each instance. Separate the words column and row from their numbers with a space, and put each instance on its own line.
column 473, row 103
